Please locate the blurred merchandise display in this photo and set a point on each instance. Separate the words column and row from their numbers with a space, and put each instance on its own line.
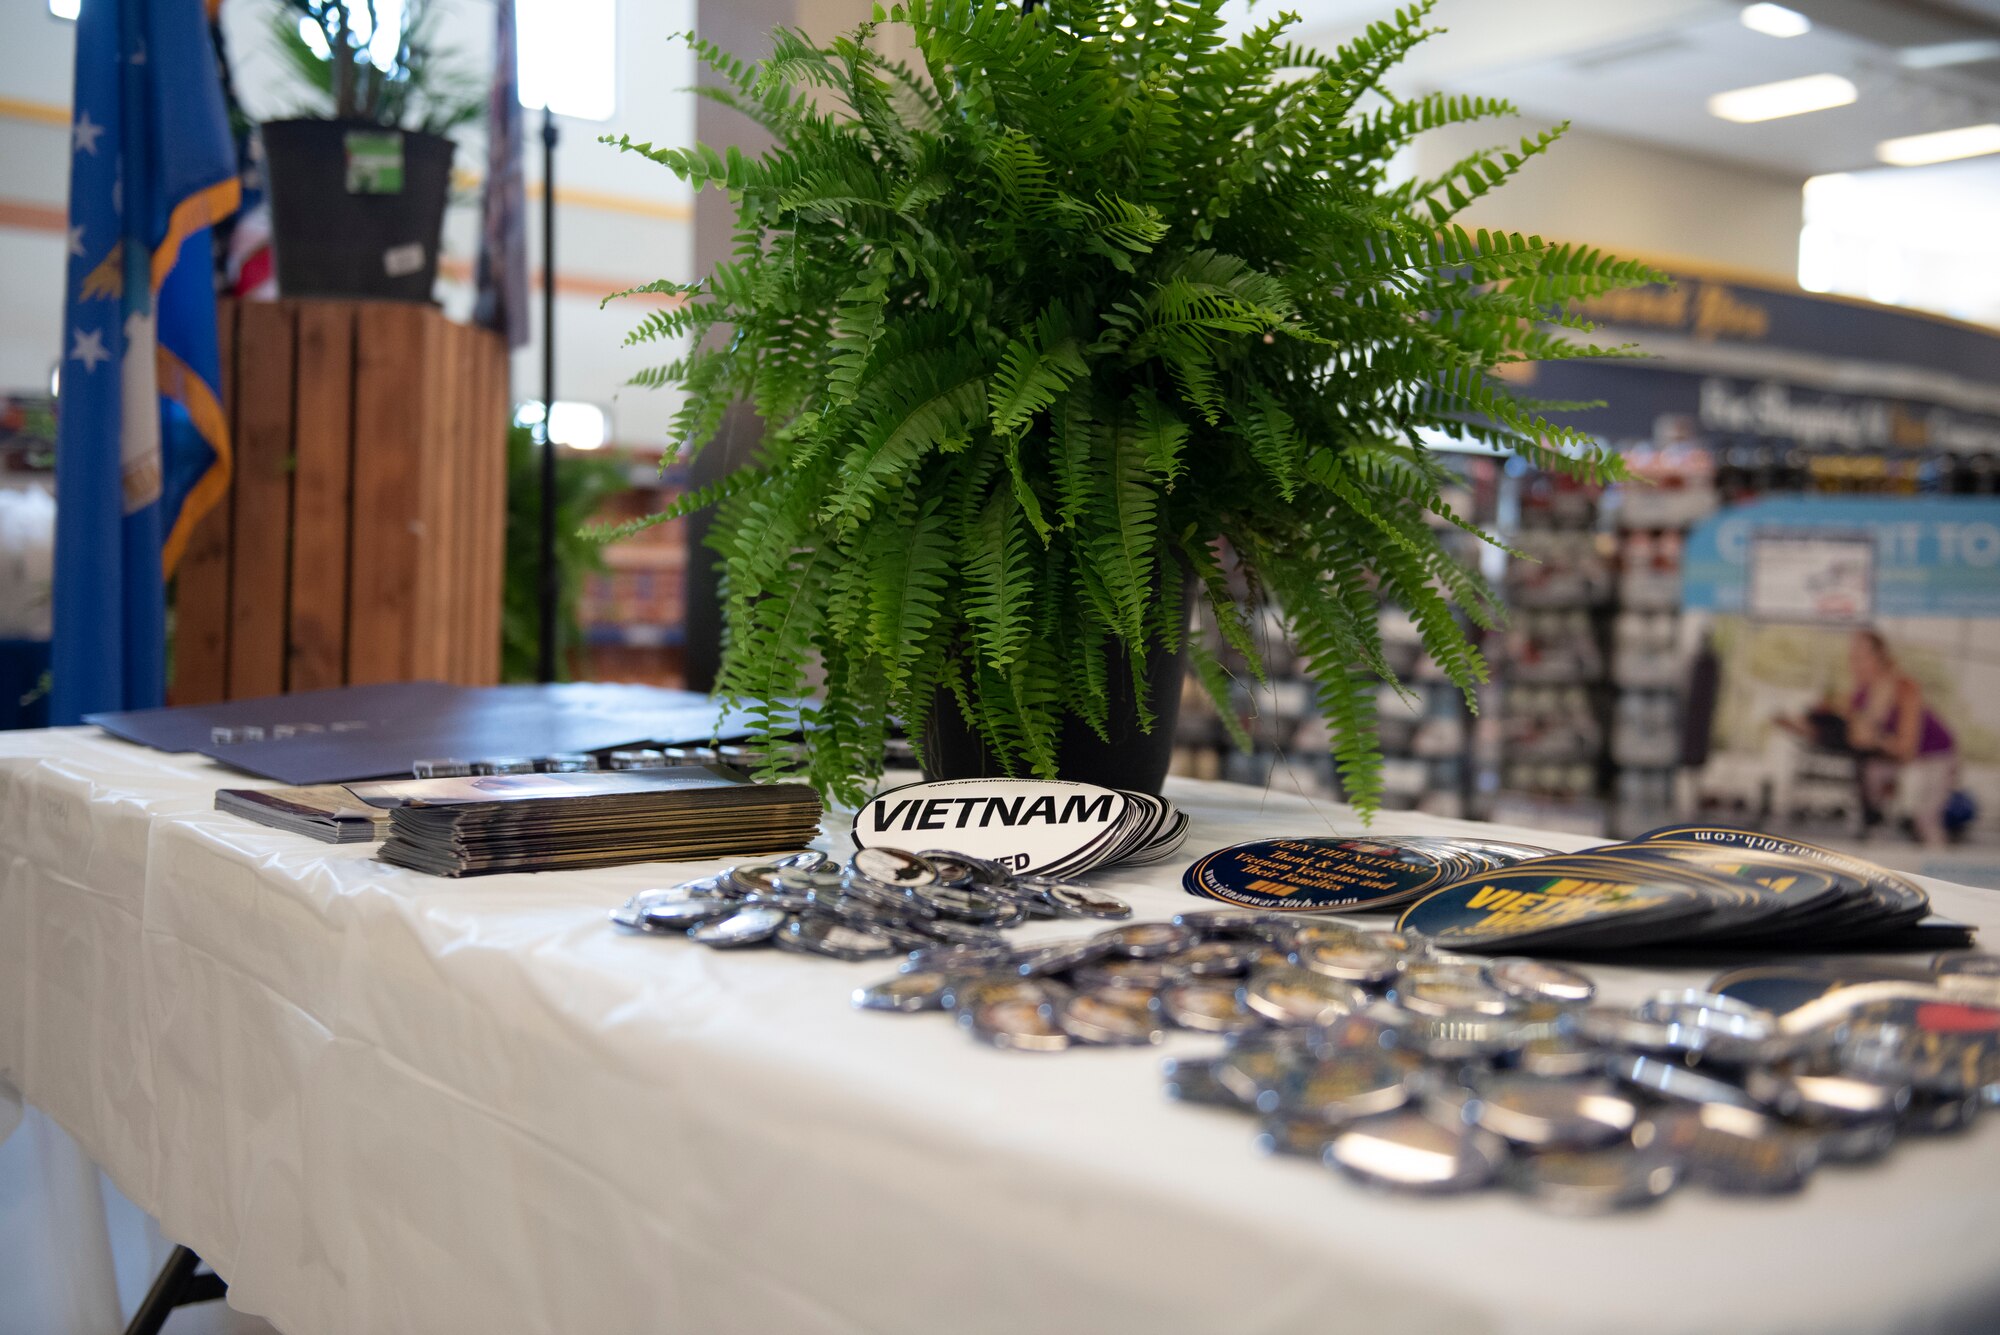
column 27, row 561
column 633, row 612
column 1427, row 732
column 27, row 556
column 27, row 434
column 1619, row 700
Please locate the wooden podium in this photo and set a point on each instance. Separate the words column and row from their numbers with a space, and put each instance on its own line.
column 364, row 532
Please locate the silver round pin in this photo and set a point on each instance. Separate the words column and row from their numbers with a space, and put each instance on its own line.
column 1112, row 1016
column 1732, row 1033
column 1017, row 1025
column 1293, row 996
column 966, row 904
column 1221, row 959
column 751, row 926
column 1856, row 1142
column 1736, row 1150
column 1827, row 1099
column 838, row 940
column 1456, row 1038
column 1286, row 1133
column 750, row 877
column 957, row 959
column 1194, row 1080
column 918, row 990
column 1407, row 1151
column 1678, row 1084
column 1060, row 956
column 1227, row 924
column 1399, row 943
column 1534, row 980
column 670, row 915
column 1680, row 1000
column 1558, row 1056
column 1255, row 1074
column 956, row 933
column 1317, row 931
column 1209, row 1008
column 967, row 994
column 1354, row 962
column 1449, row 989
column 1349, row 1083
column 1582, row 1113
column 1147, row 940
column 951, row 868
column 1073, row 901
column 893, row 866
column 1596, row 1181
column 780, row 900
column 1150, row 975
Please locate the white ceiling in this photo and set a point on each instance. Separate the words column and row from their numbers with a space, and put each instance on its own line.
column 1644, row 69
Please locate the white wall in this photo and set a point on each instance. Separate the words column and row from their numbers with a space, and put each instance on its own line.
column 1633, row 198
column 611, row 238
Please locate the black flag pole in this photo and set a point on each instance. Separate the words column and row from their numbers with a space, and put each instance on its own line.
column 551, row 579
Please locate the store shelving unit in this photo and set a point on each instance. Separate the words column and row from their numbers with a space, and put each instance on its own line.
column 633, row 612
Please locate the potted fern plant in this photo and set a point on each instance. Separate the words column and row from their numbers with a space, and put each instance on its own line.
column 1048, row 328
column 359, row 183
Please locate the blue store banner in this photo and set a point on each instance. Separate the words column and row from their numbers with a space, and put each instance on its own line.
column 142, row 449
column 1932, row 557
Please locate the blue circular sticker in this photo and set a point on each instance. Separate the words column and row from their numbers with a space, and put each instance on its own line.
column 1322, row 874
column 1551, row 901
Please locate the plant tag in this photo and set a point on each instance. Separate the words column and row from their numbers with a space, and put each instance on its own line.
column 400, row 261
column 374, row 162
column 1024, row 825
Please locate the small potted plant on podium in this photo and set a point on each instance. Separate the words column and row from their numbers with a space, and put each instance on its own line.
column 358, row 190
column 1048, row 327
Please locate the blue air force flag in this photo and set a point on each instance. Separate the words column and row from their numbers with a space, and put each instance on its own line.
column 142, row 446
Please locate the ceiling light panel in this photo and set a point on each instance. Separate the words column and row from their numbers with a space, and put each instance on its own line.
column 1787, row 97
column 1919, row 150
column 1775, row 20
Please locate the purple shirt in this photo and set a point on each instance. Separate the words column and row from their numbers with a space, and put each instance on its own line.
column 1933, row 738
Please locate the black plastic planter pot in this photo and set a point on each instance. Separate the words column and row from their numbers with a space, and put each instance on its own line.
column 356, row 210
column 1131, row 759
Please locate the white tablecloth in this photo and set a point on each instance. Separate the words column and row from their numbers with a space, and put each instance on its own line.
column 381, row 1102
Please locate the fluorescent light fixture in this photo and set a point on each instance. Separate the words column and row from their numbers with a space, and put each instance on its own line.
column 1787, row 97
column 579, row 426
column 1918, row 150
column 1942, row 55
column 568, row 56
column 1775, row 20
column 65, row 9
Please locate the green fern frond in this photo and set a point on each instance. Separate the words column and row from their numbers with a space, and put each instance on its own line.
column 1062, row 310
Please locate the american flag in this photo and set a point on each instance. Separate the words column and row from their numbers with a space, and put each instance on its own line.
column 503, row 240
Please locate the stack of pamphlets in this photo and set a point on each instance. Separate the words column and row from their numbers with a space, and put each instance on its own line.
column 323, row 811
column 472, row 825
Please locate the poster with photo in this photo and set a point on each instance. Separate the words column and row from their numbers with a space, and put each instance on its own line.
column 1856, row 644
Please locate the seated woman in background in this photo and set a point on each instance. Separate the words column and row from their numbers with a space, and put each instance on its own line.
column 1904, row 749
